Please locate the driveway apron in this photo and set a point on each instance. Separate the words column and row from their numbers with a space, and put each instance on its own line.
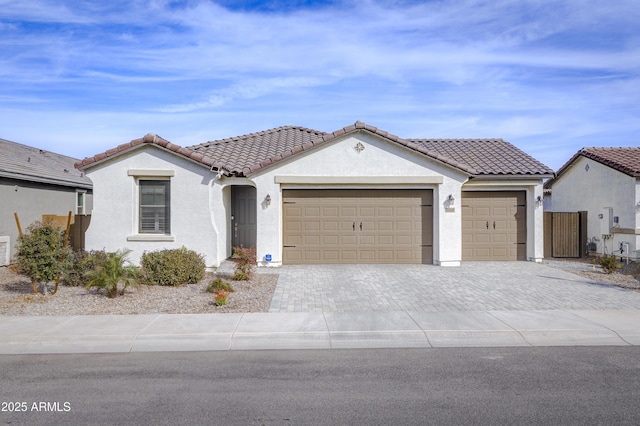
column 474, row 286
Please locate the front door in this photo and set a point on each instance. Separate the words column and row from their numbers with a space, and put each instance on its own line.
column 243, row 216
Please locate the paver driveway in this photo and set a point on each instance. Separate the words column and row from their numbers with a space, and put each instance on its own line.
column 474, row 286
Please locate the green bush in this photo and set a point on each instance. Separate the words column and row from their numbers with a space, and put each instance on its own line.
column 115, row 269
column 609, row 264
column 219, row 284
column 41, row 253
column 245, row 260
column 173, row 267
column 83, row 262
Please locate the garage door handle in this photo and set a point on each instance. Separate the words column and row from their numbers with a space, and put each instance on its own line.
column 487, row 224
column 494, row 225
column 361, row 226
column 354, row 226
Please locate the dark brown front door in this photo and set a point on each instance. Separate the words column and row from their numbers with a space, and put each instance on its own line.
column 243, row 216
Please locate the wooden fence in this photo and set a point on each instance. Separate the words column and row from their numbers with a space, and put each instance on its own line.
column 565, row 234
column 79, row 225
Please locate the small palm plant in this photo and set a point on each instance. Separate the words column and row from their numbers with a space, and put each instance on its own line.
column 114, row 270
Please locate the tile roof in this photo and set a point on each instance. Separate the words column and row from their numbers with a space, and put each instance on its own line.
column 624, row 160
column 486, row 156
column 31, row 164
column 248, row 153
column 148, row 139
column 245, row 155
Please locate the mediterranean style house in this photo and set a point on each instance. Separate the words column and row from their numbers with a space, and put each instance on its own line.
column 356, row 195
column 604, row 183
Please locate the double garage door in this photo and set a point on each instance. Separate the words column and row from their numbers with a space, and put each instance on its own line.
column 358, row 226
column 494, row 225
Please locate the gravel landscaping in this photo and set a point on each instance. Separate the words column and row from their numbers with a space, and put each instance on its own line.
column 626, row 277
column 17, row 298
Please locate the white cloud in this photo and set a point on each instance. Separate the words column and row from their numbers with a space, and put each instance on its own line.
column 549, row 69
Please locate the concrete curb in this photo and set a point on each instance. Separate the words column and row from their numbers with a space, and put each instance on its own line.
column 329, row 330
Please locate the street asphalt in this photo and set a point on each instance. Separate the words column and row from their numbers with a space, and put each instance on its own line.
column 392, row 306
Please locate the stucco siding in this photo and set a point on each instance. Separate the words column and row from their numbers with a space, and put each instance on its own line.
column 373, row 158
column 593, row 187
column 31, row 200
column 114, row 222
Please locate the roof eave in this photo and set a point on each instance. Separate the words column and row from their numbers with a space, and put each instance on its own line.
column 50, row 181
column 148, row 140
column 499, row 176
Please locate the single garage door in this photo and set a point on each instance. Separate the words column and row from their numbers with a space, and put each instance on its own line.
column 494, row 225
column 358, row 226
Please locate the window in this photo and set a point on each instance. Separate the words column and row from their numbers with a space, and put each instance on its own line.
column 80, row 202
column 155, row 204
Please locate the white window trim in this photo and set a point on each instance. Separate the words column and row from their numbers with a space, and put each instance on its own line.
column 84, row 201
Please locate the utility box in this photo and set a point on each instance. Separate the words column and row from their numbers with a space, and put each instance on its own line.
column 606, row 222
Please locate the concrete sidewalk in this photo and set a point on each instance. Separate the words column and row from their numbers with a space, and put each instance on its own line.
column 310, row 330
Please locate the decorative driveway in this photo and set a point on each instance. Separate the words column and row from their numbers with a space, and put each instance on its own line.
column 474, row 286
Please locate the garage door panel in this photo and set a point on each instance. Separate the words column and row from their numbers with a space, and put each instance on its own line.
column 332, row 211
column 368, row 256
column 330, row 240
column 367, row 211
column 350, row 256
column 312, row 212
column 351, row 226
column 366, row 240
column 293, row 226
column 349, row 239
column 403, row 240
column 385, row 225
column 311, row 240
column 311, row 225
column 329, row 225
column 293, row 240
column 504, row 213
column 385, row 240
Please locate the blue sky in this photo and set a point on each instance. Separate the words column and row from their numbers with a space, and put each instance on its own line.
column 79, row 77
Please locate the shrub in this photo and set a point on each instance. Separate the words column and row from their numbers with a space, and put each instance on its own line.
column 83, row 262
column 114, row 270
column 42, row 254
column 609, row 264
column 245, row 260
column 219, row 284
column 173, row 267
column 220, row 298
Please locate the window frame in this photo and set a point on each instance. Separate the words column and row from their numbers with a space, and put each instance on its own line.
column 81, row 209
column 165, row 183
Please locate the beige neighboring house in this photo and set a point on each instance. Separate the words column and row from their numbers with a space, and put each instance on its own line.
column 356, row 195
column 35, row 182
column 605, row 183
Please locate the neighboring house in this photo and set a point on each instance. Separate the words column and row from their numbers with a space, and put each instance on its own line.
column 357, row 195
column 605, row 183
column 33, row 183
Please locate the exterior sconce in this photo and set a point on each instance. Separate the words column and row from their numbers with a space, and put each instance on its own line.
column 267, row 200
column 450, row 200
column 539, row 201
